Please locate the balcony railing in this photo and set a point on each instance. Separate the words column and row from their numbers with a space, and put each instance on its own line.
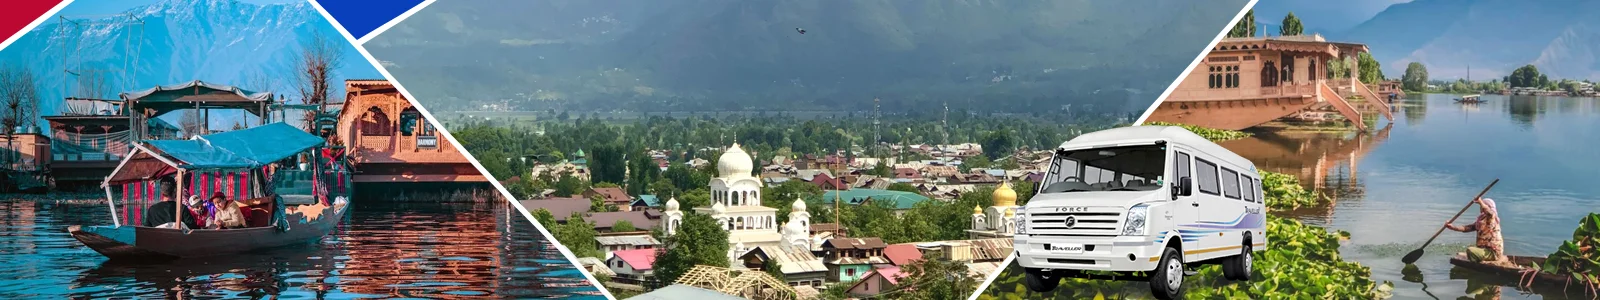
column 85, row 156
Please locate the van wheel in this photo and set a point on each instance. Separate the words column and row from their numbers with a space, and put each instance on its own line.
column 1038, row 280
column 1166, row 281
column 1237, row 268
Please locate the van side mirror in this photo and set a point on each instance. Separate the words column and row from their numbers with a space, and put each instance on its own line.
column 1183, row 187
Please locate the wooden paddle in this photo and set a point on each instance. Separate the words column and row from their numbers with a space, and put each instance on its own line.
column 1417, row 254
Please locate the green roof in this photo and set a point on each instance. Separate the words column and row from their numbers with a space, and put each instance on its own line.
column 902, row 200
column 649, row 200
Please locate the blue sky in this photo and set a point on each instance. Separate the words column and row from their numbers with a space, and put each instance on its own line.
column 1322, row 15
column 109, row 7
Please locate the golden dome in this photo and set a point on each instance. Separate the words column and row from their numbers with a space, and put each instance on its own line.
column 1004, row 196
column 1011, row 212
column 977, row 210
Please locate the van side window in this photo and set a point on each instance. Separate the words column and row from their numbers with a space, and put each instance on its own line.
column 1230, row 183
column 1249, row 186
column 1259, row 197
column 1182, row 163
column 1206, row 177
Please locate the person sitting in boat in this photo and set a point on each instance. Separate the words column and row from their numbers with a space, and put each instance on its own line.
column 165, row 213
column 228, row 215
column 1490, row 247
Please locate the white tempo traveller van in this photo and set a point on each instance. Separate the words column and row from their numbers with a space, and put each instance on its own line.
column 1155, row 199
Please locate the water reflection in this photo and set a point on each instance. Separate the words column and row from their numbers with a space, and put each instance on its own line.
column 1416, row 173
column 416, row 250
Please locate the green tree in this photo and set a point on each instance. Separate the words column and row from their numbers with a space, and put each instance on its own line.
column 578, row 235
column 642, row 171
column 1371, row 71
column 622, row 226
column 1416, row 78
column 1337, row 69
column 699, row 241
column 882, row 169
column 568, row 186
column 999, row 143
column 1246, row 26
column 1291, row 26
column 904, row 187
column 935, row 278
column 774, row 268
column 1526, row 76
column 597, row 203
column 784, row 194
column 606, row 164
column 694, row 198
column 682, row 177
column 545, row 218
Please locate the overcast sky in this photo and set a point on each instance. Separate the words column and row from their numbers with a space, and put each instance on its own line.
column 1321, row 15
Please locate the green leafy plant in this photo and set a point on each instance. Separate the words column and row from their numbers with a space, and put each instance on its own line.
column 1579, row 257
column 1215, row 135
column 1284, row 191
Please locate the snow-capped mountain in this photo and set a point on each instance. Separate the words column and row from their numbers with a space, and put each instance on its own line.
column 220, row 41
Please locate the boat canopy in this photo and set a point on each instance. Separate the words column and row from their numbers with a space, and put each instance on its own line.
column 246, row 148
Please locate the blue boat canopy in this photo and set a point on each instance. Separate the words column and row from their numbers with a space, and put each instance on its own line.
column 245, row 148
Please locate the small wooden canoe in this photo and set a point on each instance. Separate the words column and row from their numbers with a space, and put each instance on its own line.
column 1540, row 280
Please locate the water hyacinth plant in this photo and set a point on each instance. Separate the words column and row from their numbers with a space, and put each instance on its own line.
column 1283, row 191
column 1215, row 135
column 1579, row 257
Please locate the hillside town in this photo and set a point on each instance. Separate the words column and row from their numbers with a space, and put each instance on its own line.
column 773, row 243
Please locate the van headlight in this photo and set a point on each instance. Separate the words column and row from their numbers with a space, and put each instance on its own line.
column 1022, row 220
column 1134, row 225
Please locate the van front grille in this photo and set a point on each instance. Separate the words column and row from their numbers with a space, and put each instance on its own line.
column 1090, row 221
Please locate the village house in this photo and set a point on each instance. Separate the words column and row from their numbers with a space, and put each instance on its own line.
column 560, row 208
column 612, row 195
column 799, row 268
column 632, row 266
column 642, row 220
column 876, row 282
column 850, row 259
column 632, row 241
column 645, row 201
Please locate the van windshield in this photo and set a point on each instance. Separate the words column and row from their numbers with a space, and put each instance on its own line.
column 1130, row 168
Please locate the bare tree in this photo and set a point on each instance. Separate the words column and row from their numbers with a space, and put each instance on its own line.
column 19, row 102
column 191, row 123
column 258, row 81
column 320, row 55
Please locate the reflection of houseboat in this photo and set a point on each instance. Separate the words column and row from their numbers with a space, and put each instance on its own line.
column 391, row 142
column 290, row 184
column 1470, row 99
column 1244, row 82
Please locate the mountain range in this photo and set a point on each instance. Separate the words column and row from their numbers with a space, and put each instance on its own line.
column 1492, row 37
column 1032, row 55
column 218, row 41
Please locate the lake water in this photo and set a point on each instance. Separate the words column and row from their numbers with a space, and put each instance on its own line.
column 383, row 250
column 1394, row 187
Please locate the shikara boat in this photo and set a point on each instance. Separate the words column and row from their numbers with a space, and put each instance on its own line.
column 1524, row 275
column 293, row 187
column 1470, row 99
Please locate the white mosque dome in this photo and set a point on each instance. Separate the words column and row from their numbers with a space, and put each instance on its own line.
column 717, row 208
column 672, row 204
column 799, row 205
column 734, row 162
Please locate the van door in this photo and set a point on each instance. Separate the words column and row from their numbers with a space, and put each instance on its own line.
column 1184, row 210
column 1222, row 209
